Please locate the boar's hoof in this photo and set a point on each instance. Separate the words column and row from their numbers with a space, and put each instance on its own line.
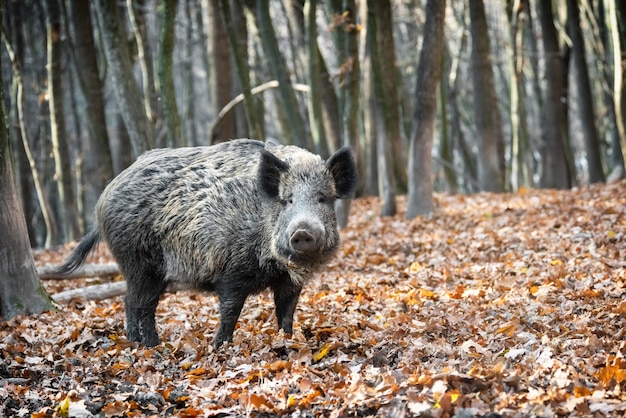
column 303, row 241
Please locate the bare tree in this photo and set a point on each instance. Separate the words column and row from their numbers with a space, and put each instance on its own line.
column 239, row 52
column 296, row 128
column 60, row 146
column 386, row 103
column 420, row 198
column 166, row 78
column 346, row 35
column 98, row 164
column 555, row 169
column 486, row 113
column 221, row 71
column 20, row 289
column 127, row 95
column 585, row 103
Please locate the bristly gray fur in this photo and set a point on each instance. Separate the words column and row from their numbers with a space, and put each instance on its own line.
column 219, row 218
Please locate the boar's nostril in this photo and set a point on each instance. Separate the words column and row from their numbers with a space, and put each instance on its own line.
column 302, row 241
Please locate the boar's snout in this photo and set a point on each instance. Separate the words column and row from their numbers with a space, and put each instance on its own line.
column 306, row 237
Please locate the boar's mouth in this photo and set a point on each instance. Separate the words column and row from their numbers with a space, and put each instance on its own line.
column 310, row 260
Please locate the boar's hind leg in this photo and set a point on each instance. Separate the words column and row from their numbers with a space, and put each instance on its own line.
column 286, row 299
column 142, row 297
column 231, row 303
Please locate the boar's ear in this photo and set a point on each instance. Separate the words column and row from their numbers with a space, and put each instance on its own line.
column 343, row 169
column 270, row 168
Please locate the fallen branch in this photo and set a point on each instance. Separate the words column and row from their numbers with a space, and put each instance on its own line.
column 95, row 292
column 48, row 272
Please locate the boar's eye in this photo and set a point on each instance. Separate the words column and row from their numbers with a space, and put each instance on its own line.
column 323, row 199
column 287, row 201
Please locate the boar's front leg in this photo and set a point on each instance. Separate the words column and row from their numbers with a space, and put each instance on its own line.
column 286, row 299
column 231, row 303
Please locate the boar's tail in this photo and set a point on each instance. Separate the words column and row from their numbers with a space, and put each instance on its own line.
column 77, row 257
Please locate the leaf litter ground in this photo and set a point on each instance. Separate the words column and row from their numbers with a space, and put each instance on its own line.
column 498, row 305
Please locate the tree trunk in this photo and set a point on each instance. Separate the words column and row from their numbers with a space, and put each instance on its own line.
column 420, row 198
column 617, row 15
column 346, row 39
column 127, row 95
column 387, row 125
column 287, row 98
column 316, row 115
column 143, row 58
column 189, row 110
column 615, row 164
column 243, row 70
column 486, row 113
column 98, row 165
column 555, row 170
column 221, row 73
column 587, row 115
column 166, row 78
column 370, row 111
column 20, row 289
column 46, row 208
column 390, row 94
column 60, row 147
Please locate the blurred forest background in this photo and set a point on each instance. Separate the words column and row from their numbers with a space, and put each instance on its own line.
column 458, row 96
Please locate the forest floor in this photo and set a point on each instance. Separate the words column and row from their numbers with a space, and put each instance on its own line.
column 507, row 305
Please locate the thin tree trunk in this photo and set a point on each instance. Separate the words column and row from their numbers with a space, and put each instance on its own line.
column 86, row 63
column 243, row 70
column 370, row 111
column 128, row 97
column 617, row 16
column 316, row 115
column 296, row 128
column 390, row 95
column 386, row 103
column 60, row 147
column 486, row 114
column 586, row 109
column 189, row 111
column 420, row 198
column 446, row 145
column 46, row 209
column 166, row 77
column 346, row 39
column 555, row 170
column 144, row 60
column 221, row 71
column 14, row 32
column 616, row 166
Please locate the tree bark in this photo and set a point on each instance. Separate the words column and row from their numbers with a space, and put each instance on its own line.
column 20, row 289
column 316, row 115
column 391, row 84
column 386, row 117
column 486, row 113
column 127, row 95
column 420, row 198
column 617, row 16
column 346, row 39
column 221, row 73
column 243, row 70
column 166, row 78
column 585, row 105
column 296, row 133
column 60, row 147
column 555, row 171
column 44, row 204
column 98, row 166
column 143, row 58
